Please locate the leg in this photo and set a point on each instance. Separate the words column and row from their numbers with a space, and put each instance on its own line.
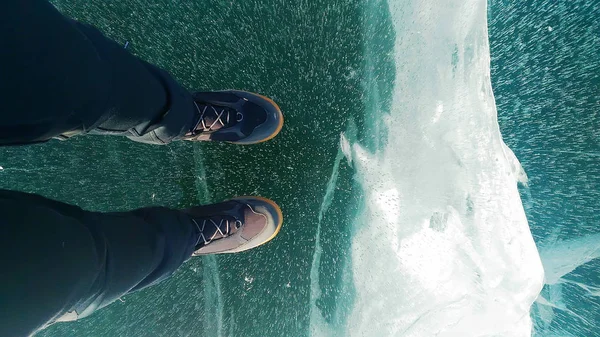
column 59, row 259
column 62, row 263
column 62, row 77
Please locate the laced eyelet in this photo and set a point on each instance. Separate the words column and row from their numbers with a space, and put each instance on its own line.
column 238, row 224
column 210, row 117
column 219, row 230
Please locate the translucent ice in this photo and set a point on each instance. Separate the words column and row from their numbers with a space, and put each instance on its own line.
column 443, row 246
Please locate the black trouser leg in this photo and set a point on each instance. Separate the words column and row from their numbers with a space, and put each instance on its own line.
column 58, row 259
column 60, row 77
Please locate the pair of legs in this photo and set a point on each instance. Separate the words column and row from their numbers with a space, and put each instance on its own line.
column 60, row 78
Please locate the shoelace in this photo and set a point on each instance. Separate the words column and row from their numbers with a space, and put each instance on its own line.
column 211, row 113
column 210, row 221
